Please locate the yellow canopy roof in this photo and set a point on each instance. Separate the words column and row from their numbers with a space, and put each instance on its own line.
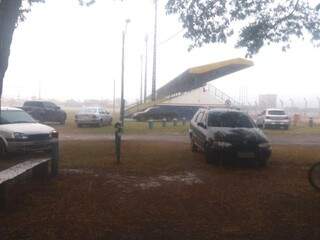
column 198, row 76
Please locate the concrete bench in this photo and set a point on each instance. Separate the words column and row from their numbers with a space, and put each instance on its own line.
column 39, row 168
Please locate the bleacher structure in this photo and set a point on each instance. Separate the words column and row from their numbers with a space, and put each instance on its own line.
column 191, row 88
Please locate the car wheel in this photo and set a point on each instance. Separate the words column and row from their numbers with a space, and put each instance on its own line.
column 194, row 147
column 264, row 126
column 314, row 176
column 100, row 123
column 2, row 149
column 209, row 155
column 262, row 162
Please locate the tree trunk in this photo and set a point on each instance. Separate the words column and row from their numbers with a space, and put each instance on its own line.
column 9, row 13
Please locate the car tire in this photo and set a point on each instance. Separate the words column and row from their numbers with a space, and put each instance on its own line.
column 314, row 176
column 100, row 124
column 264, row 126
column 194, row 147
column 262, row 162
column 209, row 155
column 2, row 149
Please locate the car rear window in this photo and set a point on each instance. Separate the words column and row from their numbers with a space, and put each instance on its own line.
column 276, row 112
column 229, row 119
column 33, row 104
column 89, row 110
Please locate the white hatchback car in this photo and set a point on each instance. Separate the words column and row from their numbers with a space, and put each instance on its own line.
column 93, row 116
column 272, row 117
column 20, row 132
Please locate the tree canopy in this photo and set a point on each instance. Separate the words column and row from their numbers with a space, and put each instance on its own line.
column 257, row 22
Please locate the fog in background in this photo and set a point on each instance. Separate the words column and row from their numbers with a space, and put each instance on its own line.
column 65, row 51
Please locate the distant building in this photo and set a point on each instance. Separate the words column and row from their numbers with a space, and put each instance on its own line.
column 268, row 101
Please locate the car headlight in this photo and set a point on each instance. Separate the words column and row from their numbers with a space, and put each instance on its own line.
column 223, row 144
column 54, row 134
column 264, row 145
column 20, row 136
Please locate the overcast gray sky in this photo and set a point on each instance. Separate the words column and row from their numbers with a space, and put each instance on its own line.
column 75, row 52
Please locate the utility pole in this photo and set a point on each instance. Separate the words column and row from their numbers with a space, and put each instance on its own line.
column 154, row 73
column 146, row 70
column 292, row 102
column 39, row 90
column 141, row 83
column 119, row 125
column 281, row 103
column 114, row 97
column 305, row 106
column 122, row 73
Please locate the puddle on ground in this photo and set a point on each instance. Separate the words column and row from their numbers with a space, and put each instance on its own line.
column 186, row 178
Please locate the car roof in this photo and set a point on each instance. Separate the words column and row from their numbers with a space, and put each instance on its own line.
column 36, row 101
column 91, row 107
column 10, row 109
column 223, row 110
column 274, row 109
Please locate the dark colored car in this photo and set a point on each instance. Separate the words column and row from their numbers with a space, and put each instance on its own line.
column 155, row 113
column 45, row 111
column 228, row 134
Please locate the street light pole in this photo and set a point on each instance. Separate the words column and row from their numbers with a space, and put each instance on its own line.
column 154, row 73
column 114, row 97
column 122, row 73
column 141, row 83
column 146, row 70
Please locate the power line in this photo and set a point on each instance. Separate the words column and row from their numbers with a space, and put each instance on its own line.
column 171, row 37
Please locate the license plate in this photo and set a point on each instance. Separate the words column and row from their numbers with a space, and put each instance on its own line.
column 246, row 155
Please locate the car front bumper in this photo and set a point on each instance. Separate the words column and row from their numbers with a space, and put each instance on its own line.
column 241, row 152
column 30, row 146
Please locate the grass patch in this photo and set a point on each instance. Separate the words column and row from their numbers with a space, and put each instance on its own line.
column 141, row 157
column 131, row 127
column 301, row 130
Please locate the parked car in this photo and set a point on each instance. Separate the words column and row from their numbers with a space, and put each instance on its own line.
column 155, row 113
column 93, row 116
column 20, row 132
column 272, row 117
column 45, row 111
column 228, row 134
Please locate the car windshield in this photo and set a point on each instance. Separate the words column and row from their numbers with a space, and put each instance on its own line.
column 276, row 112
column 15, row 116
column 88, row 110
column 229, row 119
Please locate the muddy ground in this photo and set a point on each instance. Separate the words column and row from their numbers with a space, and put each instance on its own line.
column 163, row 191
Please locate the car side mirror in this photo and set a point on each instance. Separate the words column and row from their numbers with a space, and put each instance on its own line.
column 201, row 124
